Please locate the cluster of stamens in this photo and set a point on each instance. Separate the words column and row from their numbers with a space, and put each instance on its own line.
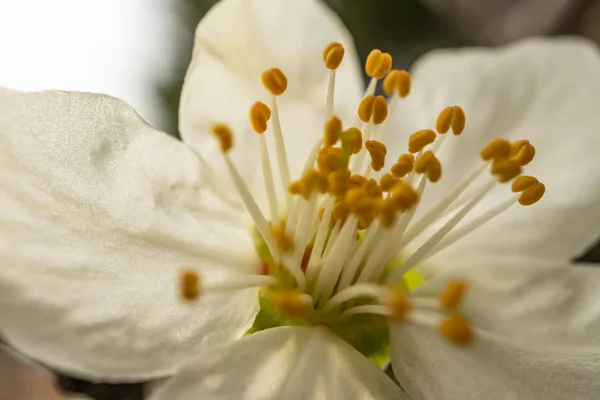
column 333, row 235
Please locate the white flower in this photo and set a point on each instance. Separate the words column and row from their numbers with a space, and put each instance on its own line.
column 101, row 214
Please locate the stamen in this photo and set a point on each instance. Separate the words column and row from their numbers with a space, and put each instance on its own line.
column 453, row 294
column 259, row 116
column 224, row 135
column 338, row 183
column 240, row 282
column 332, row 56
column 378, row 64
column 190, row 285
column 354, row 292
column 505, row 170
column 312, row 270
column 428, row 164
column 333, row 130
column 418, row 140
column 404, row 166
column 274, row 81
column 457, row 329
column 293, row 304
column 397, row 82
column 368, row 309
column 284, row 242
column 532, row 195
column 451, row 117
column 378, row 151
column 497, row 149
column 387, row 182
column 522, row 152
column 399, row 305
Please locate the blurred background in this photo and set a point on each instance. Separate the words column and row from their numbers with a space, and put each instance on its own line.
column 138, row 50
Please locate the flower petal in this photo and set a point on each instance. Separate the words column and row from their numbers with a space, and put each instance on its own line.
column 239, row 39
column 544, row 90
column 537, row 336
column 282, row 363
column 100, row 213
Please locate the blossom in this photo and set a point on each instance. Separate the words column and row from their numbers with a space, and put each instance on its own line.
column 436, row 252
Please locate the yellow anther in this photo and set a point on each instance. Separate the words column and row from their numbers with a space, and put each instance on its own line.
column 444, row 120
column 284, row 242
column 404, row 165
column 506, row 170
column 532, row 194
column 418, row 140
column 459, row 120
column 364, row 207
column 356, row 181
column 224, row 135
column 523, row 183
column 388, row 213
column 387, row 182
column 295, row 188
column 373, row 108
column 397, row 81
column 497, row 149
column 290, row 303
column 328, row 159
column 338, row 183
column 404, row 196
column 259, row 116
column 378, row 64
column 333, row 129
column 371, row 189
column 428, row 164
column 399, row 305
column 341, row 210
column 274, row 81
column 352, row 139
column 378, row 151
column 453, row 294
column 333, row 55
column 522, row 152
column 456, row 328
column 313, row 181
column 190, row 285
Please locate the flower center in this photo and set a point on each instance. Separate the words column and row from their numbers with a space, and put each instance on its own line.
column 331, row 243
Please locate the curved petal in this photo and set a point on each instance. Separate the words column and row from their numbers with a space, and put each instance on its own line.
column 544, row 90
column 100, row 213
column 282, row 363
column 239, row 39
column 537, row 336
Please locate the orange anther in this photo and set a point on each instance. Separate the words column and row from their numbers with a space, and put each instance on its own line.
column 453, row 294
column 457, row 329
column 497, row 149
column 378, row 151
column 274, row 81
column 190, row 285
column 418, row 140
column 378, row 64
column 523, row 183
column 259, row 116
column 399, row 305
column 333, row 129
column 224, row 135
column 333, row 55
column 506, row 170
column 397, row 81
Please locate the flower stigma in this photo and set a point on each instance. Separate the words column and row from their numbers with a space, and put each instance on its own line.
column 334, row 244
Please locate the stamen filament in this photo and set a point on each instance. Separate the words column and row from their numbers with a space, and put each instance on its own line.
column 439, row 235
column 282, row 159
column 239, row 283
column 268, row 178
column 356, row 291
column 367, row 309
column 312, row 270
column 330, row 95
column 458, row 234
column 365, row 245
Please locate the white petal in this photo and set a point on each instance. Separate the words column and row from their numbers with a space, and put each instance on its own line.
column 282, row 363
column 100, row 213
column 239, row 39
column 537, row 336
column 544, row 90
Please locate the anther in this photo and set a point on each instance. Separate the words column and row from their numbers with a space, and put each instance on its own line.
column 284, row 242
column 459, row 120
column 373, row 108
column 274, row 81
column 404, row 165
column 260, row 114
column 387, row 182
column 328, row 159
column 378, row 64
column 506, row 170
column 451, row 117
column 388, row 213
column 523, row 183
column 378, row 151
column 453, row 294
column 341, row 210
column 522, row 152
column 397, row 81
column 224, row 135
column 457, row 329
column 404, row 196
column 290, row 303
column 313, row 181
column 418, row 140
column 190, row 285
column 333, row 129
column 371, row 188
column 497, row 149
column 532, row 194
column 356, row 181
column 399, row 305
column 338, row 183
column 428, row 164
column 352, row 139
column 333, row 55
